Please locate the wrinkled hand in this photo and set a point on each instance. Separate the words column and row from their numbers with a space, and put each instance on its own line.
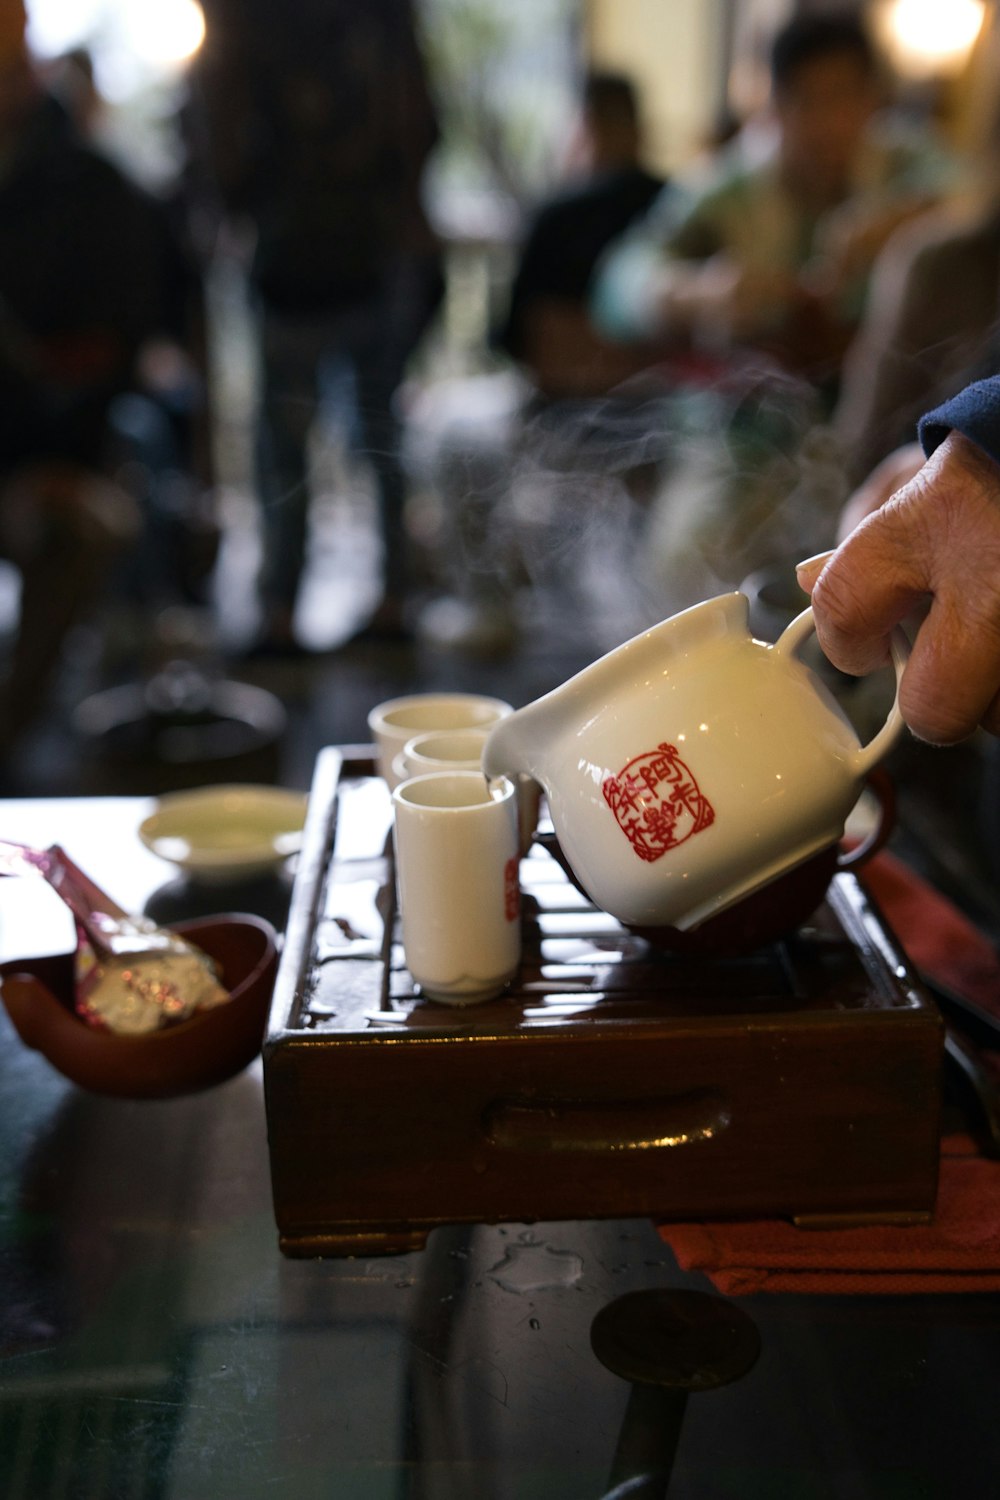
column 936, row 539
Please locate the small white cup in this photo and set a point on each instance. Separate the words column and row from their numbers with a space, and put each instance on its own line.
column 398, row 720
column 443, row 750
column 456, row 843
column 462, row 750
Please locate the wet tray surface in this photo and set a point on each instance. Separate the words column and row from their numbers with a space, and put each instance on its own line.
column 613, row 1080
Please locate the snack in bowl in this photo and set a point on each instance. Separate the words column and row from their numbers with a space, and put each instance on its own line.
column 133, row 1009
column 131, row 976
column 181, row 1058
column 132, row 991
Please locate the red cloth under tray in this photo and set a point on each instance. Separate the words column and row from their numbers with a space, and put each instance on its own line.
column 959, row 1250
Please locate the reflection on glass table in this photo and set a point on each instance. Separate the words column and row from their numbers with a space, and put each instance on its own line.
column 156, row 1344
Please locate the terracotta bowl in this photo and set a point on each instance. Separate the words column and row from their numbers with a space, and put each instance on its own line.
column 182, row 1059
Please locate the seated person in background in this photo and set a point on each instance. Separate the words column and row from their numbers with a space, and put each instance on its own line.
column 929, row 329
column 772, row 251
column 83, row 256
column 469, row 438
column 754, row 276
column 548, row 329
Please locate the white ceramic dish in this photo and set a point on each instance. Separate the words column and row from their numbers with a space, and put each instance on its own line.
column 223, row 833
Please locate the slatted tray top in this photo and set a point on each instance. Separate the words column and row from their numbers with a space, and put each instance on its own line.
column 612, row 1077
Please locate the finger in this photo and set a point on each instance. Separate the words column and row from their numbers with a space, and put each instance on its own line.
column 810, row 568
column 868, row 587
column 949, row 686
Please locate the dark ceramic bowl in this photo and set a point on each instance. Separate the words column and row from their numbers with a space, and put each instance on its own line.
column 135, row 738
column 183, row 1059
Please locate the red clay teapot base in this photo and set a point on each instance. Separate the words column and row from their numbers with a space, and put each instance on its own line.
column 776, row 909
column 767, row 915
column 763, row 917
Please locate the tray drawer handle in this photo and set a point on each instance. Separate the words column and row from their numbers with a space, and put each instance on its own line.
column 606, row 1125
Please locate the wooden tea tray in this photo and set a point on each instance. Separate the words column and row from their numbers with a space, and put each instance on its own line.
column 614, row 1080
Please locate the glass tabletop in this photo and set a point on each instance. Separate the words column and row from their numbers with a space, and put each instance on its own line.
column 156, row 1344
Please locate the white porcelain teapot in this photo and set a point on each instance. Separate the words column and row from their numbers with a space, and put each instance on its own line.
column 692, row 765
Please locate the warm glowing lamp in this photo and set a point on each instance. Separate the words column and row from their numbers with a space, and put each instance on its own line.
column 929, row 38
column 168, row 32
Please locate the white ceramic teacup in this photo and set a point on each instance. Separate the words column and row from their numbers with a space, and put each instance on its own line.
column 443, row 750
column 462, row 750
column 456, row 845
column 693, row 765
column 398, row 720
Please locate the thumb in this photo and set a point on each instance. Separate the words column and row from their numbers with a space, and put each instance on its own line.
column 810, row 568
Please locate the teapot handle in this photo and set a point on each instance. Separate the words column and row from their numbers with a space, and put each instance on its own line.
column 795, row 634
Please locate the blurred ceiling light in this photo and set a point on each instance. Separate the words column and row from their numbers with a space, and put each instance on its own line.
column 166, row 32
column 930, row 37
column 55, row 25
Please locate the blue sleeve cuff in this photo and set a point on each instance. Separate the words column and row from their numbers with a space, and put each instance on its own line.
column 974, row 412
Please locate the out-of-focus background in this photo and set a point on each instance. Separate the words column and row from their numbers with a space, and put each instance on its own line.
column 335, row 359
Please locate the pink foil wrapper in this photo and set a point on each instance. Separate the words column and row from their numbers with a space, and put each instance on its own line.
column 138, row 991
column 132, row 977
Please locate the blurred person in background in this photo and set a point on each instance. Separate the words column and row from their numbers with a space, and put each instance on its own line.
column 310, row 127
column 547, row 328
column 471, row 435
column 930, row 327
column 770, row 247
column 86, row 268
column 753, row 271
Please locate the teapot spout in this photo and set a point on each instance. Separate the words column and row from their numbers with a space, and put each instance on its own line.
column 504, row 753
